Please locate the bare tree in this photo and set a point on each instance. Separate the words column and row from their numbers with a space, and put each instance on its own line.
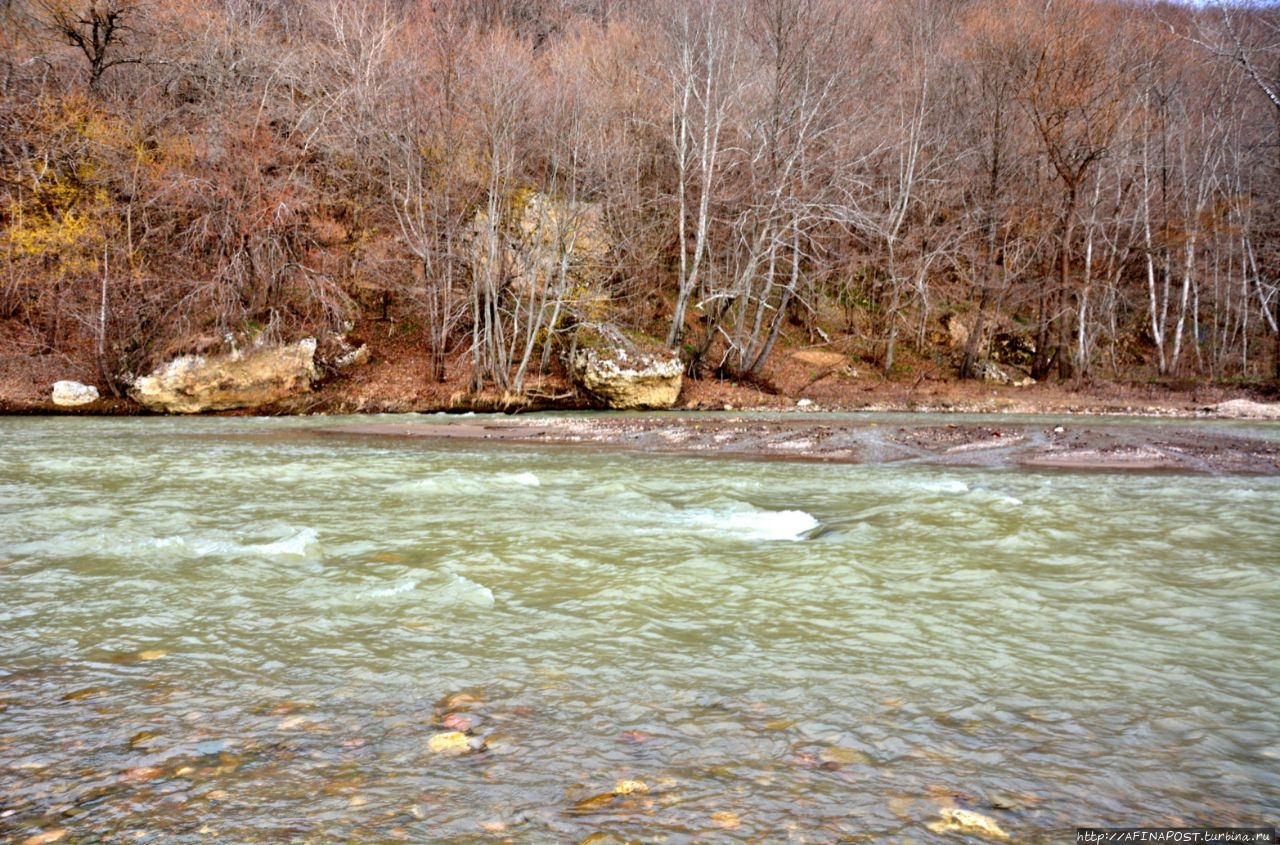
column 97, row 28
column 802, row 107
column 705, row 42
column 499, row 100
column 425, row 150
column 993, row 133
column 1074, row 91
column 890, row 203
column 1248, row 33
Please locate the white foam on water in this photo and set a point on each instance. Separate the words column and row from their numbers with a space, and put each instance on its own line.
column 395, row 589
column 946, row 485
column 463, row 590
column 995, row 497
column 447, row 483
column 748, row 523
column 524, row 479
column 296, row 546
column 1198, row 533
column 1019, row 541
column 453, row 591
column 414, row 487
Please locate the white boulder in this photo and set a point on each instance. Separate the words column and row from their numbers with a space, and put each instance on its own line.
column 72, row 393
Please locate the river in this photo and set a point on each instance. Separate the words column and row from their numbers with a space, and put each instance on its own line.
column 238, row 630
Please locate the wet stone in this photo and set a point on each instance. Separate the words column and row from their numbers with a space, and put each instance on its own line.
column 450, row 744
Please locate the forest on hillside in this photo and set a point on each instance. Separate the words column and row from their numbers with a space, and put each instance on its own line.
column 1079, row 188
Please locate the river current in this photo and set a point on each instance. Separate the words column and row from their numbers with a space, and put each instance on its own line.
column 243, row 630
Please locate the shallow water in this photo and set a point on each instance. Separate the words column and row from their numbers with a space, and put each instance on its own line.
column 238, row 630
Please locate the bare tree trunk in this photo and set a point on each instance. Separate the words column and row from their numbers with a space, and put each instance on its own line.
column 104, row 374
column 1064, row 291
column 1183, row 301
column 788, row 292
column 1149, row 255
column 1082, row 314
column 969, row 361
column 704, row 47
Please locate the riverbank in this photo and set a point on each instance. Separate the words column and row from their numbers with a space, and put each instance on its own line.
column 398, row 380
column 1086, row 443
column 798, row 414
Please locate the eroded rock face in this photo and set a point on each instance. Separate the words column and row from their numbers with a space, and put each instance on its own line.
column 990, row 372
column 628, row 381
column 957, row 331
column 256, row 376
column 546, row 241
column 72, row 393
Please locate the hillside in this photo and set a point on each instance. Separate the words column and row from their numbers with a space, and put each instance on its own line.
column 887, row 204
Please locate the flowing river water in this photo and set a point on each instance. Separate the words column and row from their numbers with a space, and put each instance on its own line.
column 239, row 630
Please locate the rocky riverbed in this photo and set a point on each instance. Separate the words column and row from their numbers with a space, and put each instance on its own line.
column 1086, row 443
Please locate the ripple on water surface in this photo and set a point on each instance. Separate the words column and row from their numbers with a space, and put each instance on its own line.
column 231, row 630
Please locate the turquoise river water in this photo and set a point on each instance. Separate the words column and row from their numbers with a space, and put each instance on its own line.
column 244, row 630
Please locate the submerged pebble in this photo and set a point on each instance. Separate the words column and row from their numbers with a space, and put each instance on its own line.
column 460, row 700
column 840, row 756
column 144, row 739
column 602, row 837
column 48, row 837
column 593, row 803
column 726, row 820
column 457, row 722
column 956, row 820
column 140, row 774
column 450, row 743
column 627, row 787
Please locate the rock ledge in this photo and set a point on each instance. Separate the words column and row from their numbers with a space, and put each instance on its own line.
column 250, row 378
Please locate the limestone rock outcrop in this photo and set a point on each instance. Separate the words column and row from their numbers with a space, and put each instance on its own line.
column 72, row 393
column 246, row 378
column 542, row 242
column 340, row 353
column 615, row 372
column 623, row 382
